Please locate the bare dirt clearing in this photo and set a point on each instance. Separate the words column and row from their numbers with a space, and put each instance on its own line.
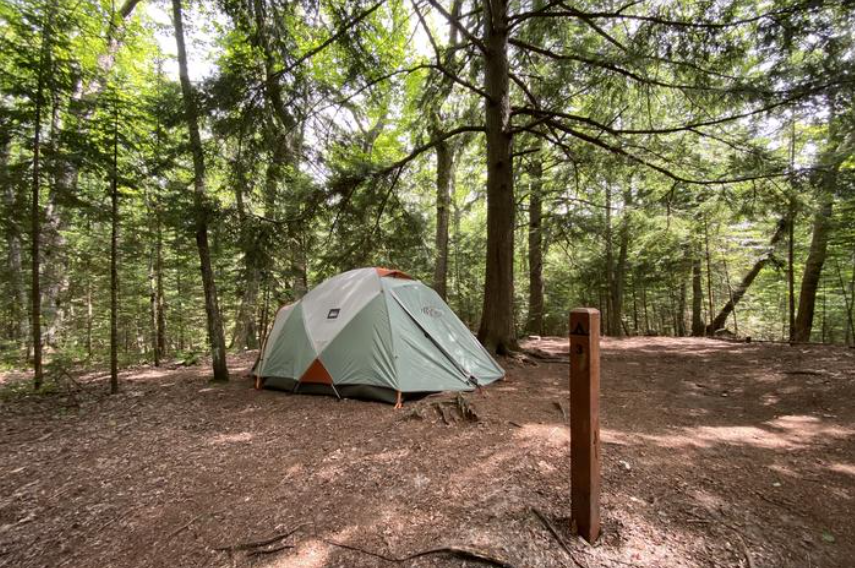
column 715, row 454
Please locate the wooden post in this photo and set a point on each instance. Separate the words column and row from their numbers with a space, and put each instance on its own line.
column 585, row 421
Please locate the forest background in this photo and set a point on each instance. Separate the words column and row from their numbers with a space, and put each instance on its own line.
column 686, row 167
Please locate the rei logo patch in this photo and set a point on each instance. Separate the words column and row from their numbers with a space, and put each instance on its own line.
column 432, row 312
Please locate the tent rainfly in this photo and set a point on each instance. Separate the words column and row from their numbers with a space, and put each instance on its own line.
column 372, row 333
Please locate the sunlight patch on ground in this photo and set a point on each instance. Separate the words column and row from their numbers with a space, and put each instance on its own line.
column 144, row 374
column 785, row 432
column 544, row 434
column 309, row 554
column 231, row 438
column 846, row 468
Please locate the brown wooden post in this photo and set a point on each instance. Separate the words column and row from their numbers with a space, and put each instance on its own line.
column 585, row 421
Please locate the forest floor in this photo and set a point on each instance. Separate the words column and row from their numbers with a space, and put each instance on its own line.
column 715, row 454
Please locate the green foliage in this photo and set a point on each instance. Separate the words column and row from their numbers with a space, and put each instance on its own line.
column 310, row 117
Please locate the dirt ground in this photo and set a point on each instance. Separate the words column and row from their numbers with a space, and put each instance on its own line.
column 715, row 454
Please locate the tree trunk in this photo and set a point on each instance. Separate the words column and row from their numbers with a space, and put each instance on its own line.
column 619, row 271
column 721, row 319
column 815, row 260
column 497, row 318
column 18, row 300
column 610, row 269
column 697, row 298
column 710, row 298
column 35, row 211
column 152, row 292
column 444, row 182
column 114, row 253
column 681, row 307
column 212, row 308
column 850, row 304
column 535, row 247
column 791, row 270
column 160, row 301
column 245, row 332
column 445, row 152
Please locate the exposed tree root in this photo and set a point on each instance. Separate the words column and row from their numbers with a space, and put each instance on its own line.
column 464, row 552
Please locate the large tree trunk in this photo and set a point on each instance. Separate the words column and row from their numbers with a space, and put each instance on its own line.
column 212, row 309
column 697, row 297
column 444, row 182
column 535, row 247
column 721, row 319
column 497, row 318
column 815, row 260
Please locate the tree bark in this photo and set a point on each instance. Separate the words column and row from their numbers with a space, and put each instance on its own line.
column 610, row 269
column 212, row 309
column 444, row 181
column 114, row 254
column 697, row 298
column 18, row 300
column 619, row 271
column 35, row 211
column 680, row 330
column 245, row 332
column 815, row 260
column 445, row 153
column 497, row 331
column 535, row 247
column 721, row 319
column 160, row 296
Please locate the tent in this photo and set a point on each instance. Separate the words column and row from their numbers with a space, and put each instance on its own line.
column 372, row 333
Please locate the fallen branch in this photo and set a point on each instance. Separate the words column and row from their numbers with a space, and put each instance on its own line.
column 545, row 356
column 465, row 553
column 273, row 550
column 462, row 552
column 548, row 524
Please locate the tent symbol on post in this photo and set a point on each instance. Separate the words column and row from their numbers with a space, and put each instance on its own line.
column 579, row 330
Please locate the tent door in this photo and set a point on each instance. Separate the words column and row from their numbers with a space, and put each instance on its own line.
column 466, row 375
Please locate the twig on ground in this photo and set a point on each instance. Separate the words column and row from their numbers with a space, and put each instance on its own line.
column 362, row 550
column 561, row 408
column 259, row 543
column 745, row 552
column 548, row 524
column 191, row 521
column 273, row 550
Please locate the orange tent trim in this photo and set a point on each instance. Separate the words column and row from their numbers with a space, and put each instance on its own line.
column 317, row 374
column 391, row 273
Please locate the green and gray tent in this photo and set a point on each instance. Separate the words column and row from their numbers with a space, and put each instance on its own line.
column 373, row 333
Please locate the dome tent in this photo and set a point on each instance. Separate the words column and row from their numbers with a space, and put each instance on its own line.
column 372, row 333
